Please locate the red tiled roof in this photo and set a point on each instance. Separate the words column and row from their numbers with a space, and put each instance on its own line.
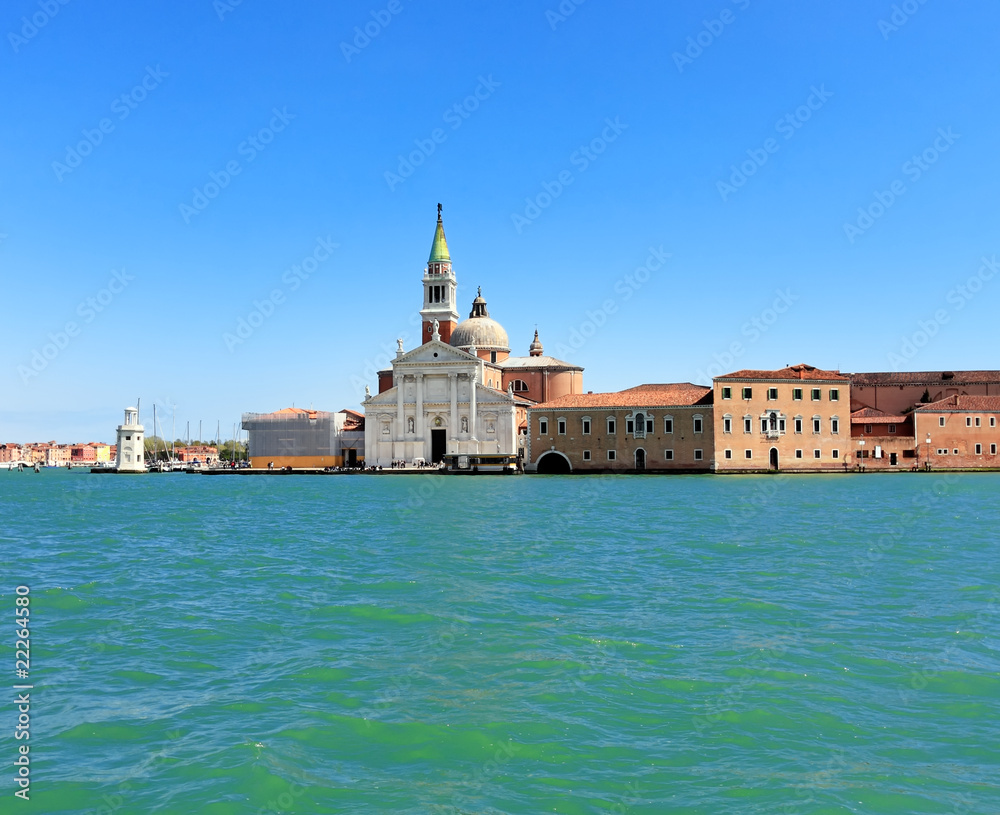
column 926, row 378
column 800, row 372
column 875, row 416
column 986, row 404
column 681, row 394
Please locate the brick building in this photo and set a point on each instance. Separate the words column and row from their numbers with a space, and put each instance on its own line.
column 654, row 428
column 959, row 432
column 795, row 418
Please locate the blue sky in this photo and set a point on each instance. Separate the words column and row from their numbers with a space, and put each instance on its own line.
column 165, row 166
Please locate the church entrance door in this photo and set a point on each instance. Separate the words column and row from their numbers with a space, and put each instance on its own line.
column 439, row 445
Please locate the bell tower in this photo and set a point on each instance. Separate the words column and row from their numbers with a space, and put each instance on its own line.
column 439, row 289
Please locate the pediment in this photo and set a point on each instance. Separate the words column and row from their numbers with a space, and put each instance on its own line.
column 433, row 352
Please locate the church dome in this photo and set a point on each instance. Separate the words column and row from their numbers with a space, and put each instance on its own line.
column 480, row 330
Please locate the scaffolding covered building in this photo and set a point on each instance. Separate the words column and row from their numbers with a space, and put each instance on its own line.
column 299, row 438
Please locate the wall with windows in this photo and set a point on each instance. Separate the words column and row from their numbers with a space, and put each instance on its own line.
column 959, row 439
column 798, row 424
column 651, row 438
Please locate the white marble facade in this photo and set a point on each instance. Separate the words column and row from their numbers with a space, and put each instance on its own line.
column 438, row 406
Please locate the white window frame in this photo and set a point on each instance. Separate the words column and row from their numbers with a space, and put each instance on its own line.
column 543, row 426
column 668, row 424
column 586, row 455
column 611, row 426
column 668, row 455
column 561, row 426
column 699, row 454
column 748, row 424
column 835, row 425
column 698, row 423
column 728, row 454
column 817, row 453
column 748, row 454
column 585, row 425
column 727, row 424
column 816, row 394
column 612, row 455
column 817, row 423
column 798, row 425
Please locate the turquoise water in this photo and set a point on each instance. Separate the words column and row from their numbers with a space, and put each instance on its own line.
column 415, row 644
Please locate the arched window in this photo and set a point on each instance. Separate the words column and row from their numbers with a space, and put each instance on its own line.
column 519, row 385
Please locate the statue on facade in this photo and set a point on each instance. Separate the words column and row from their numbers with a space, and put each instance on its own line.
column 437, row 331
column 465, row 424
column 368, row 392
column 399, row 345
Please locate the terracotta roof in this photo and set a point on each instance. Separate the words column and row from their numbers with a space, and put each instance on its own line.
column 986, row 404
column 926, row 377
column 870, row 415
column 799, row 372
column 350, row 412
column 677, row 395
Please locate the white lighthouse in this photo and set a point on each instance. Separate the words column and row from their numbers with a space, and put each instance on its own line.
column 131, row 447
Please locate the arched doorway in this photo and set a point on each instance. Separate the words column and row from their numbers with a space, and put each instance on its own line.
column 640, row 458
column 774, row 458
column 554, row 464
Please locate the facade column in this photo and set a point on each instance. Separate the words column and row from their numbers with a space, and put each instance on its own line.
column 454, row 405
column 418, row 427
column 472, row 406
column 400, row 418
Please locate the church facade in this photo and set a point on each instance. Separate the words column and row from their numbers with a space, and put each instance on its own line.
column 459, row 397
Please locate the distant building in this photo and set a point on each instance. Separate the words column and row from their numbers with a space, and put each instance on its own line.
column 898, row 391
column 304, row 439
column 131, row 447
column 202, row 453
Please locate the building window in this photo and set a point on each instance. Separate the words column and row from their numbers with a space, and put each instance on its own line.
column 561, row 426
column 993, row 421
column 649, row 424
column 128, row 438
column 892, row 428
column 611, row 455
column 748, row 393
column 698, row 424
column 727, row 424
column 668, row 455
column 868, row 428
column 748, row 453
column 955, row 452
column 798, row 424
column 834, row 425
column 519, row 385
column 979, row 422
column 698, row 455
column 493, row 356
column 940, row 421
column 797, row 394
column 611, row 426
column 729, row 453
column 586, row 455
column 747, row 424
column 835, row 453
column 968, row 421
column 816, row 424
column 798, row 454
column 543, row 427
column 668, row 424
column 834, row 396
column 586, row 425
column 772, row 393
column 816, row 394
column 993, row 449
column 979, row 449
column 727, row 393
column 630, row 426
column 816, row 454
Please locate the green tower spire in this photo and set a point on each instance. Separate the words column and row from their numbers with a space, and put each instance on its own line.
column 439, row 249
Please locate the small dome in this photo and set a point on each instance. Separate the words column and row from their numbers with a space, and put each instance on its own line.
column 535, row 349
column 480, row 330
